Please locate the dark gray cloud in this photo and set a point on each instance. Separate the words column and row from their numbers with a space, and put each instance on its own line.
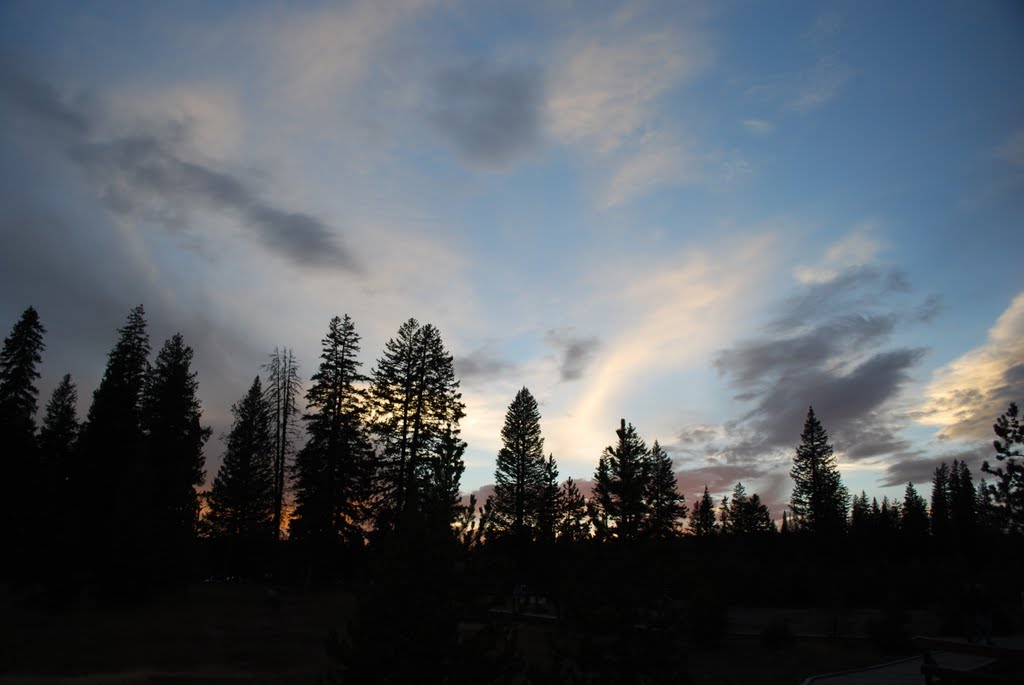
column 490, row 114
column 576, row 351
column 825, row 347
column 147, row 171
column 480, row 364
column 917, row 469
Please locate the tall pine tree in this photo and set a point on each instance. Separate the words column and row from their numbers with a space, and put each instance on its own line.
column 666, row 507
column 573, row 525
column 819, row 499
column 416, row 409
column 112, row 488
column 241, row 499
column 1008, row 490
column 175, row 463
column 622, row 475
column 332, row 471
column 21, row 354
column 519, row 475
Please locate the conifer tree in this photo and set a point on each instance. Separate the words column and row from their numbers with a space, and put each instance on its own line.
column 112, row 488
column 860, row 515
column 550, row 503
column 332, row 470
column 282, row 389
column 745, row 515
column 622, row 477
column 914, row 520
column 174, row 440
column 963, row 503
column 241, row 499
column 666, row 507
column 572, row 524
column 759, row 518
column 784, row 528
column 416, row 409
column 819, row 499
column 1008, row 490
column 702, row 516
column 21, row 354
column 58, row 437
column 519, row 476
column 940, row 503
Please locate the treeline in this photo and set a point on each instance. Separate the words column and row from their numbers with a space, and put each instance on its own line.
column 114, row 499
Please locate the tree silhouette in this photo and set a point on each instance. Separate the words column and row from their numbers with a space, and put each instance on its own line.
column 666, row 507
column 283, row 385
column 242, row 497
column 550, row 505
column 572, row 524
column 621, row 482
column 702, row 516
column 519, row 475
column 113, row 484
column 743, row 515
column 939, row 512
column 58, row 442
column 963, row 504
column 332, row 471
column 22, row 352
column 174, row 440
column 819, row 500
column 416, row 409
column 914, row 521
column 1008, row 490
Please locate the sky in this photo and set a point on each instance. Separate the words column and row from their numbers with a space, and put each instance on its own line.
column 702, row 217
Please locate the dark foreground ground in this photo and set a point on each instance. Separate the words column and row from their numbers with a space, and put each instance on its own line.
column 242, row 633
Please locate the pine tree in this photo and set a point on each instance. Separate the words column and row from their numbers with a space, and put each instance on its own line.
column 112, row 488
column 572, row 524
column 940, row 503
column 702, row 516
column 819, row 500
column 549, row 507
column 622, row 476
column 784, row 528
column 963, row 503
column 745, row 515
column 416, row 409
column 174, row 439
column 519, row 475
column 914, row 521
column 666, row 507
column 241, row 499
column 333, row 477
column 1008, row 490
column 860, row 515
column 58, row 438
column 282, row 389
column 21, row 354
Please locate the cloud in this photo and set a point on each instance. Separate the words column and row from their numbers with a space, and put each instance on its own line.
column 133, row 175
column 966, row 395
column 145, row 175
column 604, row 86
column 576, row 351
column 480, row 365
column 826, row 346
column 490, row 114
column 919, row 470
column 858, row 248
column 1012, row 149
column 321, row 53
column 759, row 127
column 656, row 162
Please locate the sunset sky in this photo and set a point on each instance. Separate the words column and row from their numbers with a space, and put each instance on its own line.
column 702, row 217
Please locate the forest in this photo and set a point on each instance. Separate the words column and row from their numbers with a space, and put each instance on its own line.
column 354, row 487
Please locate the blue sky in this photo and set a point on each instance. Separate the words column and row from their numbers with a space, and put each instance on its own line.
column 702, row 217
